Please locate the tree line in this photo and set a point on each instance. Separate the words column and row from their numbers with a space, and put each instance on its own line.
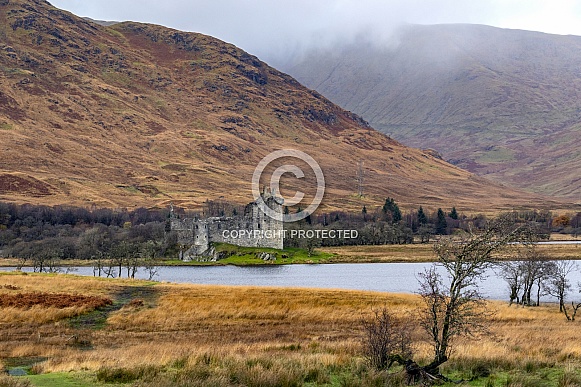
column 388, row 224
column 531, row 275
column 44, row 236
column 48, row 234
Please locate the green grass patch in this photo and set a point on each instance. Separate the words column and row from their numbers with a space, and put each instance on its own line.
column 61, row 379
column 496, row 155
column 189, row 134
column 532, row 373
column 129, row 188
column 201, row 124
column 116, row 78
column 114, row 33
column 249, row 256
column 97, row 319
column 6, row 126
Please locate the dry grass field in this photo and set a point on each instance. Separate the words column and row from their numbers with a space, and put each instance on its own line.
column 168, row 334
column 425, row 252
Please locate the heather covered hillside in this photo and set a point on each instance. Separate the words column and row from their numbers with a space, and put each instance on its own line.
column 134, row 114
column 504, row 104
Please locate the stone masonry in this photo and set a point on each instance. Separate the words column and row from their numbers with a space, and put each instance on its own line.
column 252, row 229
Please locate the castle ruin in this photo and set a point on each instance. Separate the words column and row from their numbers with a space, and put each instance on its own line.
column 252, row 229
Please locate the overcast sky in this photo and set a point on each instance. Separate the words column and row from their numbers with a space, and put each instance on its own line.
column 270, row 28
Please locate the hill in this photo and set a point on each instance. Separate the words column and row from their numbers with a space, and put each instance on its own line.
column 141, row 115
column 504, row 104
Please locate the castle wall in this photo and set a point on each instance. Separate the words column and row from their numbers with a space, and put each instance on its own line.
column 253, row 229
column 192, row 233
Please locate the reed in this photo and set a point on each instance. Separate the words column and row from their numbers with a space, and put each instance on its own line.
column 215, row 335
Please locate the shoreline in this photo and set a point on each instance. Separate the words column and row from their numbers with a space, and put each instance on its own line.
column 408, row 253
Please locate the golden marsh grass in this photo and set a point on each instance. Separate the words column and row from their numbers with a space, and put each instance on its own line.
column 193, row 324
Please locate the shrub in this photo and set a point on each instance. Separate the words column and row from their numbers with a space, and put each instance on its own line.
column 569, row 379
column 125, row 375
column 384, row 336
column 10, row 381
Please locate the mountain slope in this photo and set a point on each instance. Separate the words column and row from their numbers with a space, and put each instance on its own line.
column 134, row 114
column 505, row 104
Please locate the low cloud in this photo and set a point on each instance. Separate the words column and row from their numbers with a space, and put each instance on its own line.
column 274, row 30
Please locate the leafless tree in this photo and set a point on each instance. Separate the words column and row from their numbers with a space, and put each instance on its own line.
column 385, row 338
column 511, row 272
column 98, row 264
column 131, row 264
column 47, row 261
column 109, row 269
column 454, row 306
column 575, row 307
column 21, row 263
column 534, row 269
column 148, row 255
column 558, row 283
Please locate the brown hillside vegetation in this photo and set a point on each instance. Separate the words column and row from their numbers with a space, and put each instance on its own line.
column 135, row 114
column 498, row 102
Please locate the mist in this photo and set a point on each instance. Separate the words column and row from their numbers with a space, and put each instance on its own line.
column 276, row 30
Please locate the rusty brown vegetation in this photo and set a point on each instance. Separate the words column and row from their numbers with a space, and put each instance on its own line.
column 52, row 300
column 251, row 333
column 136, row 114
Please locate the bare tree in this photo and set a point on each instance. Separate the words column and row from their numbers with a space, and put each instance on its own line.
column 131, row 264
column 21, row 262
column 385, row 338
column 98, row 264
column 454, row 306
column 558, row 284
column 527, row 271
column 575, row 308
column 511, row 272
column 109, row 269
column 147, row 253
column 534, row 267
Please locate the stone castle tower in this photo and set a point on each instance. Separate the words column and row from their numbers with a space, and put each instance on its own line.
column 252, row 229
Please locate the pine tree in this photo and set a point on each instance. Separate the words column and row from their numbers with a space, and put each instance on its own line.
column 387, row 206
column 441, row 223
column 390, row 207
column 396, row 213
column 453, row 214
column 422, row 218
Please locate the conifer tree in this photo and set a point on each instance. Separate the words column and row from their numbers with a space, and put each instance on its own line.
column 441, row 223
column 390, row 207
column 422, row 218
column 396, row 213
column 453, row 214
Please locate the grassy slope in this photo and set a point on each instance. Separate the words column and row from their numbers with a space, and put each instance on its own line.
column 208, row 334
column 135, row 114
column 501, row 103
